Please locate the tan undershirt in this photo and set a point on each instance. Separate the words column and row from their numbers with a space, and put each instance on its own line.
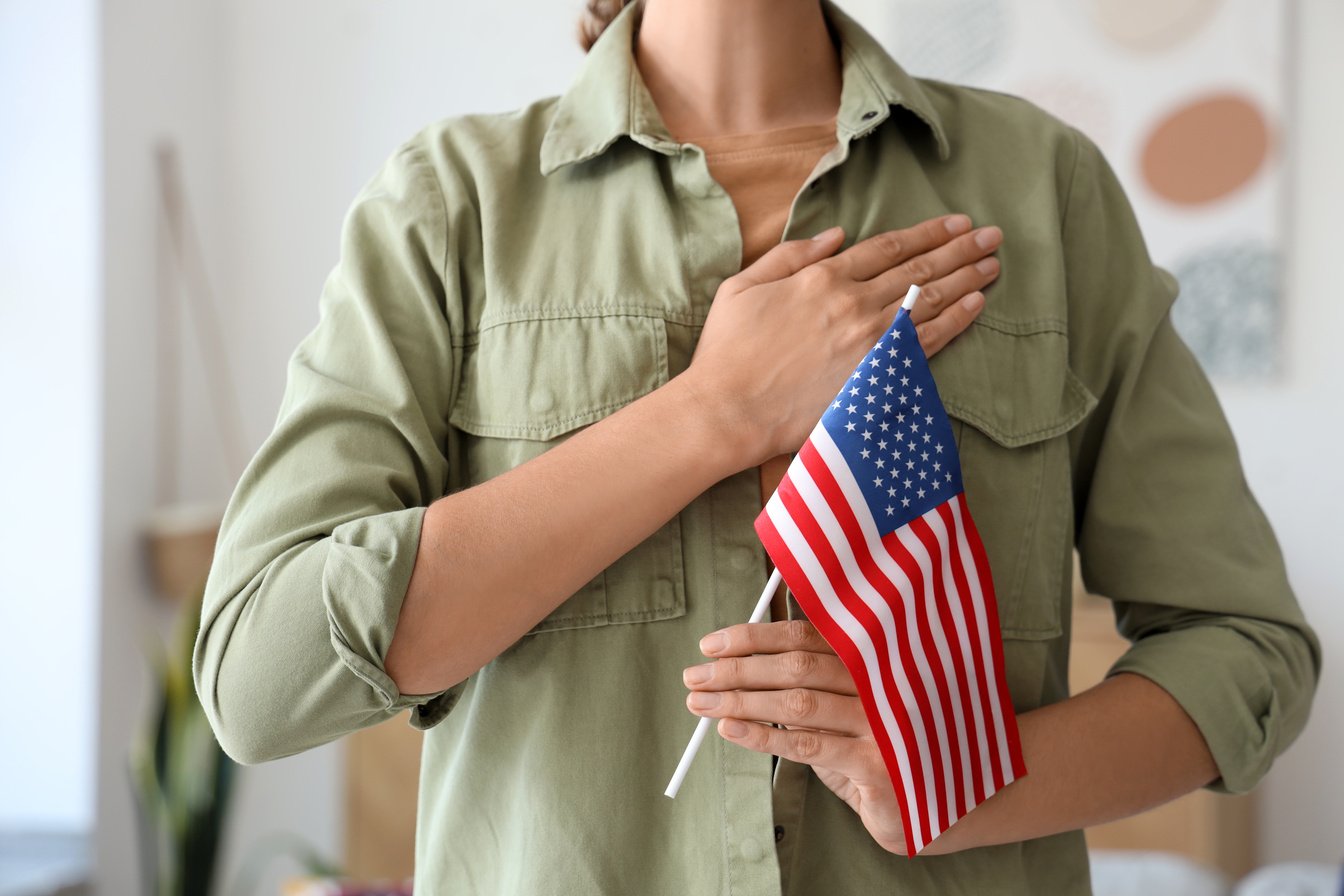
column 762, row 173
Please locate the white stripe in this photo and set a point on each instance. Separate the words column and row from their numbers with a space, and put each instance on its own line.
column 811, row 495
column 802, row 554
column 935, row 521
column 986, row 649
column 844, row 477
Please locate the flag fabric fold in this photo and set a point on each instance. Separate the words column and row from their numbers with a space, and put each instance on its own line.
column 870, row 530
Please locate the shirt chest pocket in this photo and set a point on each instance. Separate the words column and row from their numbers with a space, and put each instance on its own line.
column 1013, row 401
column 529, row 384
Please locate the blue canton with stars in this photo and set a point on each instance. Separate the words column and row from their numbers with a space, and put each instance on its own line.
column 890, row 425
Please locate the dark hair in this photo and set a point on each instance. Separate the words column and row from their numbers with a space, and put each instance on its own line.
column 596, row 16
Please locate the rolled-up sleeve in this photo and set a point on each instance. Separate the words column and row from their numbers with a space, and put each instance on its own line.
column 1167, row 527
column 319, row 539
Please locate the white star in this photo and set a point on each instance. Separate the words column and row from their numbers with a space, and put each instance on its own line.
column 938, row 447
column 923, row 474
column 836, row 405
column 907, row 362
column 891, row 371
column 849, row 427
column 902, row 399
column 885, row 426
column 892, row 351
column 877, row 481
column 909, row 465
column 907, row 483
column 874, row 362
column 905, row 381
column 919, row 390
column 936, row 485
column 869, row 416
column 900, row 418
column 914, row 427
column 915, row 409
column 887, row 389
column 870, row 399
column 891, row 492
column 881, row 463
column 882, row 445
column 924, row 455
column 867, row 435
column 890, row 510
column 936, row 467
column 854, row 391
column 864, row 454
column 905, row 502
column 920, row 494
column 928, row 418
column 926, row 438
column 949, row 477
column 886, row 408
column 852, row 408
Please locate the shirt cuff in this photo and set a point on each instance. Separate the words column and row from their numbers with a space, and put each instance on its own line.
column 1220, row 680
column 368, row 569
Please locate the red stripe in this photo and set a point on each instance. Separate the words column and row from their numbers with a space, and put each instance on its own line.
column 844, row 513
column 924, row 532
column 807, row 597
column 992, row 617
column 804, row 518
column 973, row 636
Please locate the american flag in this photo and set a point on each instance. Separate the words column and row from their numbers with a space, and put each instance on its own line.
column 869, row 529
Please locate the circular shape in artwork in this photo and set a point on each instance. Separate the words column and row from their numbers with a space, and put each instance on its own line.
column 1228, row 309
column 1206, row 149
column 952, row 40
column 1152, row 25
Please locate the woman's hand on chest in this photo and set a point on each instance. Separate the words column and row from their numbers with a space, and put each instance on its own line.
column 782, row 335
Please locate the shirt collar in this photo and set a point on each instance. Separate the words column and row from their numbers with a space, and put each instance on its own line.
column 608, row 99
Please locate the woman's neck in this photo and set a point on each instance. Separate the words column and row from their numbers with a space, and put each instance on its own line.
column 738, row 66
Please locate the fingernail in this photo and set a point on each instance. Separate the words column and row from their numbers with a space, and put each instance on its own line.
column 698, row 674
column 957, row 224
column 733, row 728
column 712, row 644
column 973, row 302
column 987, row 265
column 826, row 234
column 704, row 699
column 988, row 238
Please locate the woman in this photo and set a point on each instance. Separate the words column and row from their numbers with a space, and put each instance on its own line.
column 513, row 477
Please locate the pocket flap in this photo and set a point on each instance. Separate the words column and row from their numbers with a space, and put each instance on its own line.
column 1011, row 380
column 539, row 378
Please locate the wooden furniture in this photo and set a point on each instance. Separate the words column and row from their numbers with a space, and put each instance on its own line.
column 383, row 765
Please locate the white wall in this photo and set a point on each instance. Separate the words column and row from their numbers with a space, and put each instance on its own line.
column 49, row 367
column 1290, row 435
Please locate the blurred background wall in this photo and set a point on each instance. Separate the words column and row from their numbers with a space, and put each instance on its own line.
column 280, row 112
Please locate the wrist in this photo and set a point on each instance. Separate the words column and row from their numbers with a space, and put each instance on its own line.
column 714, row 421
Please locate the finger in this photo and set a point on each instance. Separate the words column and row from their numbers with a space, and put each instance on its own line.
column 764, row 637
column 880, row 252
column 935, row 334
column 937, row 296
column 846, row 755
column 788, row 258
column 797, row 707
column 773, row 672
column 938, row 262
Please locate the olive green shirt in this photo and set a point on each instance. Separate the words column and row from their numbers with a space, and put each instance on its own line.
column 507, row 279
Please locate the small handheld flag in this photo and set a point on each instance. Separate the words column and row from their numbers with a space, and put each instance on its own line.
column 871, row 532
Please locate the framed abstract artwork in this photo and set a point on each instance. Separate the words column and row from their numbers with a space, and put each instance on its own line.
column 1188, row 99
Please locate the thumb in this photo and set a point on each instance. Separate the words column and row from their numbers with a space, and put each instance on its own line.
column 790, row 257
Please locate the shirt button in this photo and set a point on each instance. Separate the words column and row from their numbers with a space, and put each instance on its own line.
column 741, row 558
column 541, row 400
column 664, row 592
column 869, row 114
column 779, row 833
column 751, row 850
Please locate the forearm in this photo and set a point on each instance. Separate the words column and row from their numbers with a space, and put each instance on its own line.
column 494, row 559
column 1111, row 751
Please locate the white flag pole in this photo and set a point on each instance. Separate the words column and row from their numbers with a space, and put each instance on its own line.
column 702, row 728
